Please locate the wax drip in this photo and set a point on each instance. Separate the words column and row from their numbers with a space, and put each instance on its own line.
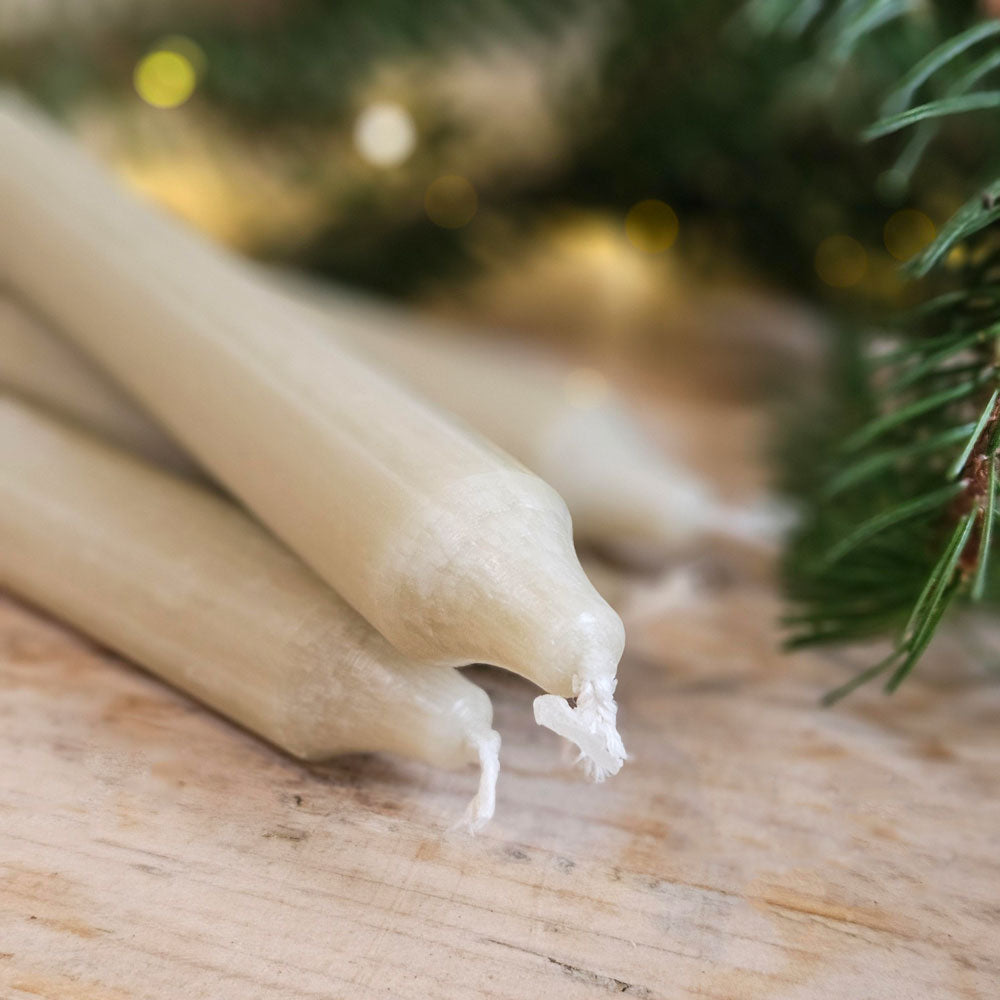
column 590, row 725
column 480, row 810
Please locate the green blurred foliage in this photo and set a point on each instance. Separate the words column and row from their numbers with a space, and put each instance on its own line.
column 750, row 135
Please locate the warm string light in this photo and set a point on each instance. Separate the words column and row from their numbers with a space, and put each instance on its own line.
column 907, row 233
column 385, row 134
column 167, row 76
column 841, row 261
column 451, row 201
column 651, row 226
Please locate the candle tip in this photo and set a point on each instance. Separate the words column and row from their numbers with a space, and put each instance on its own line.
column 480, row 810
column 590, row 725
column 762, row 523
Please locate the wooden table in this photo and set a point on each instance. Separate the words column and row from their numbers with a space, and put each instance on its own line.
column 755, row 847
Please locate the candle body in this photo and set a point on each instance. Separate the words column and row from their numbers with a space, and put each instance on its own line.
column 182, row 582
column 582, row 440
column 451, row 549
column 619, row 489
column 46, row 369
column 42, row 367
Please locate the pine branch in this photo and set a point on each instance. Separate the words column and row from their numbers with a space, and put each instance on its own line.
column 919, row 477
column 901, row 528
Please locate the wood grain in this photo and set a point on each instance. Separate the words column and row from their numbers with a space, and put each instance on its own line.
column 755, row 847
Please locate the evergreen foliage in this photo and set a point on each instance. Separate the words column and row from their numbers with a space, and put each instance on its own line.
column 900, row 527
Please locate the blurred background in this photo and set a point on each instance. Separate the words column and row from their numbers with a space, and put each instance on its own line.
column 676, row 188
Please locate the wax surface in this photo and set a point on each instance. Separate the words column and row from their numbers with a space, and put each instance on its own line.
column 450, row 548
column 619, row 488
column 46, row 369
column 567, row 425
column 185, row 584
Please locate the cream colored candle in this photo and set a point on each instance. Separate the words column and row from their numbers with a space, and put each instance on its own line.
column 184, row 583
column 46, row 369
column 567, row 425
column 450, row 548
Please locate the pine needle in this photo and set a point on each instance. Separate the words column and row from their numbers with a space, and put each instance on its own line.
column 918, row 507
column 941, row 589
column 980, row 101
column 931, row 361
column 989, row 514
column 832, row 697
column 959, row 464
column 976, row 214
column 900, row 98
column 849, row 25
column 876, row 428
column 871, row 465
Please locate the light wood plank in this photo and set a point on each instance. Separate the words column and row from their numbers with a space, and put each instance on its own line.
column 755, row 847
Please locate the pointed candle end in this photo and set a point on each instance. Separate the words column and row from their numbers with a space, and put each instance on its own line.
column 480, row 810
column 761, row 524
column 591, row 725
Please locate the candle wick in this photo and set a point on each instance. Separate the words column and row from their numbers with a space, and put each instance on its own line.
column 591, row 725
column 480, row 810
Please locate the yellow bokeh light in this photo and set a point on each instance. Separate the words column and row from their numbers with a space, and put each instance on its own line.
column 186, row 47
column 651, row 226
column 957, row 257
column 907, row 233
column 165, row 78
column 586, row 388
column 451, row 201
column 841, row 261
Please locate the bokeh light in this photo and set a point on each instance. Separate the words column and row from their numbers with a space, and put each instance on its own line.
column 651, row 226
column 841, row 261
column 186, row 47
column 586, row 388
column 166, row 77
column 385, row 134
column 907, row 233
column 451, row 201
column 957, row 258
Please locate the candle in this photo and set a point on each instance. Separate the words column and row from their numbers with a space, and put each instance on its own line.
column 181, row 581
column 39, row 365
column 451, row 549
column 567, row 425
column 45, row 368
column 572, row 430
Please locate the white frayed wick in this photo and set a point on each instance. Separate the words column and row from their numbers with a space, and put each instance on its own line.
column 591, row 725
column 480, row 810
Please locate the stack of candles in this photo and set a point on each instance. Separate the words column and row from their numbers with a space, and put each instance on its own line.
column 403, row 544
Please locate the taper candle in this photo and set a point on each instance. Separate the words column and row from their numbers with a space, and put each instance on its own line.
column 576, row 433
column 450, row 548
column 181, row 581
column 45, row 368
column 568, row 425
